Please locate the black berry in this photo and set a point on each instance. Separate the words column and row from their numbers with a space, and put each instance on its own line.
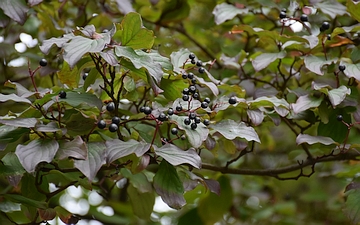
column 179, row 108
column 342, row 68
column 232, row 100
column 185, row 91
column 282, row 15
column 193, row 126
column 170, row 112
column 185, row 97
column 190, row 75
column 339, row 118
column 199, row 63
column 196, row 95
column 62, row 94
column 193, row 81
column 110, row 106
column 147, row 110
column 207, row 100
column 113, row 127
column 192, row 116
column 192, row 56
column 192, row 89
column 43, row 62
column 193, row 61
column 201, row 70
column 187, row 121
column 174, row 131
column 197, row 120
column 162, row 117
column 183, row 137
column 184, row 76
column 164, row 141
column 85, row 76
column 329, row 37
column 206, row 122
column 304, row 18
column 101, row 124
column 324, row 26
column 204, row 105
column 142, row 108
column 115, row 120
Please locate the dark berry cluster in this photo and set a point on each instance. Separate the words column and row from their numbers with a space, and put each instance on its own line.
column 115, row 121
column 198, row 63
column 146, row 109
column 192, row 120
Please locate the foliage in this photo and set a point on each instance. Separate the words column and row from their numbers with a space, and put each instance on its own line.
column 179, row 99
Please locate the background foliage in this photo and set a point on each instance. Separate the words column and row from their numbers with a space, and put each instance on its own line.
column 274, row 86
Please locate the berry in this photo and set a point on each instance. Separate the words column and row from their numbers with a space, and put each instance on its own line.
column 207, row 100
column 183, row 137
column 193, row 126
column 187, row 121
column 193, row 80
column 147, row 110
column 192, row 89
column 196, row 95
column 185, row 91
column 113, row 127
column 179, row 108
column 110, row 106
column 85, row 76
column 324, row 26
column 174, row 131
column 43, row 62
column 192, row 116
column 342, row 68
column 339, row 118
column 190, row 75
column 199, row 63
column 282, row 15
column 184, row 76
column 142, row 108
column 164, row 141
column 115, row 120
column 170, row 112
column 304, row 18
column 284, row 10
column 197, row 120
column 185, row 97
column 329, row 37
column 204, row 105
column 201, row 70
column 192, row 56
column 62, row 94
column 162, row 117
column 101, row 124
column 232, row 100
column 206, row 122
column 193, row 61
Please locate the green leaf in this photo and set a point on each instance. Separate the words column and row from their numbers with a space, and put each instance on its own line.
column 315, row 64
column 117, row 149
column 9, row 206
column 26, row 201
column 69, row 76
column 142, row 202
column 75, row 149
column 353, row 8
column 15, row 9
column 13, row 97
column 331, row 8
column 78, row 124
column 305, row 102
column 177, row 156
column 169, row 186
column 20, row 122
column 140, row 60
column 10, row 133
column 36, row 151
column 134, row 34
column 91, row 78
column 334, row 128
column 76, row 99
column 337, row 96
column 224, row 11
column 12, row 165
column 352, row 70
column 173, row 11
column 179, row 58
column 231, row 129
column 50, row 127
column 263, row 60
column 196, row 137
column 96, row 158
column 110, row 57
column 138, row 180
column 352, row 206
column 305, row 138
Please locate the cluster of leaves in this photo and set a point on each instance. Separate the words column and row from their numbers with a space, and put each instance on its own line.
column 288, row 90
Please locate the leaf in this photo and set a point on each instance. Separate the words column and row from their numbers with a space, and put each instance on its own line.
column 352, row 70
column 96, row 158
column 12, row 165
column 110, row 57
column 352, row 186
column 76, row 149
column 224, row 11
column 134, row 34
column 210, row 85
column 76, row 99
column 26, row 201
column 15, row 9
column 21, row 91
column 352, row 206
column 305, row 102
column 336, row 96
column 263, row 60
column 353, row 8
column 305, row 138
column 231, row 129
column 269, row 101
column 50, row 127
column 140, row 60
column 36, row 151
column 20, row 122
column 334, row 129
column 169, row 186
column 256, row 116
column 196, row 137
column 138, row 180
column 142, row 202
column 179, row 58
column 315, row 64
column 117, row 149
column 69, row 76
column 13, row 97
column 125, row 6
column 331, row 8
column 47, row 44
column 176, row 156
column 47, row 214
